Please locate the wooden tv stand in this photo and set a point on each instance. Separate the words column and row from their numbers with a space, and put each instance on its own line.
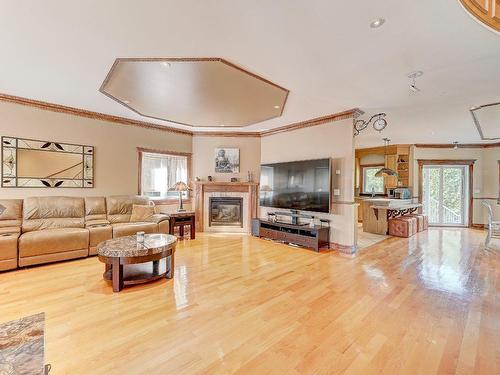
column 312, row 237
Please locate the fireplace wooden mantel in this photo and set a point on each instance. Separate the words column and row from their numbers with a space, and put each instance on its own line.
column 202, row 187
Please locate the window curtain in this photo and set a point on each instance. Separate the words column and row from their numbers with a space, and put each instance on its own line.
column 160, row 172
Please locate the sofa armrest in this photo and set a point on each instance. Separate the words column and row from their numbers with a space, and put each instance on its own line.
column 158, row 218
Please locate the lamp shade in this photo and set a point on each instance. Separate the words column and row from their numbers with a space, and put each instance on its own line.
column 385, row 171
column 180, row 186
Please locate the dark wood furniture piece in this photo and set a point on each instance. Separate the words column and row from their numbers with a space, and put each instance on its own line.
column 316, row 237
column 180, row 219
column 142, row 259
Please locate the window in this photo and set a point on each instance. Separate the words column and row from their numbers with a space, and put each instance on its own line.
column 370, row 182
column 159, row 171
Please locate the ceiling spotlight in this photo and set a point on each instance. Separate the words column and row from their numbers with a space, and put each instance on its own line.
column 126, row 101
column 376, row 23
column 455, row 145
column 276, row 107
column 413, row 80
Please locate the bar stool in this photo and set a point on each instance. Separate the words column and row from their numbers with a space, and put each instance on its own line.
column 422, row 221
column 403, row 226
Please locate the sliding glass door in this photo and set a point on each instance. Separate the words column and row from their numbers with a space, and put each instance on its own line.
column 445, row 192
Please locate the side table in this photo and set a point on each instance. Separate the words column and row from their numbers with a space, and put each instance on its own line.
column 180, row 219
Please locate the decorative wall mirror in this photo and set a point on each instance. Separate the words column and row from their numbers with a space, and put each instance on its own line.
column 33, row 163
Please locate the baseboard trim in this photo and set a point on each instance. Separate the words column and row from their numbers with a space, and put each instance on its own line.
column 478, row 226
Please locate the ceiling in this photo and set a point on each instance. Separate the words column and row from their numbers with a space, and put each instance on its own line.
column 324, row 52
column 206, row 92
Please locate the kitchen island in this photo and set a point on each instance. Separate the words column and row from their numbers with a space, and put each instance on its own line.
column 378, row 211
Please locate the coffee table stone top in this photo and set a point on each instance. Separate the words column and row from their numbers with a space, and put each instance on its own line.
column 129, row 247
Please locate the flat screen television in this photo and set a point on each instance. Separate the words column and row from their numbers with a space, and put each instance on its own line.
column 298, row 185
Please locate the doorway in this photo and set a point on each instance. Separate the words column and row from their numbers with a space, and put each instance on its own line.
column 445, row 192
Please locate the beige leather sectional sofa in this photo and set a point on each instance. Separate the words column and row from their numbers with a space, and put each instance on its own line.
column 40, row 230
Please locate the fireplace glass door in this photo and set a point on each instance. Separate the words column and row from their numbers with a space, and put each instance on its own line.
column 226, row 211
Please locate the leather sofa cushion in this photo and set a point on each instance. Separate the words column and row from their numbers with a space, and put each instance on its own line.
column 13, row 213
column 164, row 227
column 119, row 207
column 95, row 208
column 128, row 229
column 50, row 241
column 8, row 246
column 9, row 230
column 53, row 212
column 99, row 234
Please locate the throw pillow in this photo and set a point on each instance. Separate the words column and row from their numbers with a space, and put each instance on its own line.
column 142, row 213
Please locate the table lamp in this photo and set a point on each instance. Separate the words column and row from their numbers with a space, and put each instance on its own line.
column 180, row 187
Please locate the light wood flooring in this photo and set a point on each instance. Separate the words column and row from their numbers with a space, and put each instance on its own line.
column 240, row 305
column 366, row 239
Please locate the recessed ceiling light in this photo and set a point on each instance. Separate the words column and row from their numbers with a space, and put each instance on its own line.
column 126, row 101
column 377, row 23
column 222, row 125
column 166, row 64
column 276, row 107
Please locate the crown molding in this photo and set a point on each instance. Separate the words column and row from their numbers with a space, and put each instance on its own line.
column 87, row 114
column 464, row 145
column 227, row 134
column 351, row 113
column 52, row 107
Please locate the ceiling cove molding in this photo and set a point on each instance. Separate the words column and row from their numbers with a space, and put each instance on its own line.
column 46, row 106
column 464, row 145
column 87, row 114
column 352, row 113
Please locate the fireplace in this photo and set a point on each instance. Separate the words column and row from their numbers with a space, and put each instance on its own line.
column 225, row 211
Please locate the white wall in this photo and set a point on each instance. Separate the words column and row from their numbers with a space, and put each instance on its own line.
column 332, row 140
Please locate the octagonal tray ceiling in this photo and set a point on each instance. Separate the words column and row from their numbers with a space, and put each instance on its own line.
column 205, row 92
column 487, row 120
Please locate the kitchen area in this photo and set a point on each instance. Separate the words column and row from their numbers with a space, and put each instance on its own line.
column 383, row 189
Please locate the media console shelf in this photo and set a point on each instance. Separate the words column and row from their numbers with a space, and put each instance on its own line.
column 312, row 237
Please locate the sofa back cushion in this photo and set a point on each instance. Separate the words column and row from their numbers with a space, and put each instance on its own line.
column 53, row 212
column 13, row 213
column 95, row 208
column 119, row 207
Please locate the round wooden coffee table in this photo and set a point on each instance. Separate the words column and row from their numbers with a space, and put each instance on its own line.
column 143, row 261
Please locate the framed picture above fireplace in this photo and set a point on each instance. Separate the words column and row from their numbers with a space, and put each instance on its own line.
column 227, row 160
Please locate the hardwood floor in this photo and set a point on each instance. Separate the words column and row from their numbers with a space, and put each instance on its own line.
column 425, row 305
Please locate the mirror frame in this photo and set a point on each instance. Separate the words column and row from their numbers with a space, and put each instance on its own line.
column 10, row 178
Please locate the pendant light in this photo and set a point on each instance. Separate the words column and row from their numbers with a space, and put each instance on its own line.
column 386, row 171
